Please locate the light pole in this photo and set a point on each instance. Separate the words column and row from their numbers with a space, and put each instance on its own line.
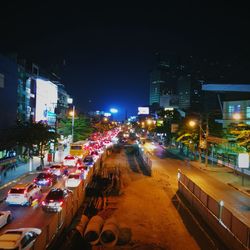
column 192, row 124
column 72, row 113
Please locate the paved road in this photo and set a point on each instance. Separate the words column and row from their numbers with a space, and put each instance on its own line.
column 25, row 216
column 237, row 202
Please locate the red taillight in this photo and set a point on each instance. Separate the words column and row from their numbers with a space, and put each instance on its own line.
column 61, row 203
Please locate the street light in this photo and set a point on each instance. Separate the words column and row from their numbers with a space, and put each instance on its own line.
column 193, row 124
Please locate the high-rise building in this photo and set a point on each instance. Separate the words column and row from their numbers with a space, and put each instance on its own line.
column 162, row 78
column 8, row 92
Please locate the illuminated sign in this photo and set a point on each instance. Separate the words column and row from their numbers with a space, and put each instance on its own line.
column 46, row 101
column 143, row 110
column 243, row 160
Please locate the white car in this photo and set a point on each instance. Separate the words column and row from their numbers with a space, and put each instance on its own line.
column 21, row 238
column 5, row 218
column 23, row 194
column 74, row 179
column 70, row 161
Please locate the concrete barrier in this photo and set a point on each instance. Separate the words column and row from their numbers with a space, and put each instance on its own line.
column 197, row 191
column 231, row 230
column 213, row 206
column 226, row 218
column 240, row 230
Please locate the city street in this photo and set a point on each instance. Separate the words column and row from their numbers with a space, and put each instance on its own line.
column 28, row 216
column 237, row 202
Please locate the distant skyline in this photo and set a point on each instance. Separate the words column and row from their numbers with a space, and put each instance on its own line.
column 108, row 50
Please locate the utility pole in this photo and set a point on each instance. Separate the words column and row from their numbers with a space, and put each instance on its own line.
column 200, row 138
column 73, row 123
column 206, row 137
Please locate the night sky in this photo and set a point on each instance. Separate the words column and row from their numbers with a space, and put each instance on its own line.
column 105, row 51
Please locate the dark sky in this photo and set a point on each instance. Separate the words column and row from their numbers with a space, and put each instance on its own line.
column 108, row 48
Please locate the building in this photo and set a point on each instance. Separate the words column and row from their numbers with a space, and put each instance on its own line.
column 229, row 100
column 236, row 111
column 8, row 92
column 162, row 78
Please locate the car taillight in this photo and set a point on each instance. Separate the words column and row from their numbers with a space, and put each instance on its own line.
column 61, row 203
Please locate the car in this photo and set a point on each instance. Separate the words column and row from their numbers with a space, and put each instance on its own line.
column 54, row 200
column 74, row 179
column 23, row 194
column 5, row 218
column 45, row 179
column 57, row 169
column 70, row 161
column 88, row 161
column 21, row 238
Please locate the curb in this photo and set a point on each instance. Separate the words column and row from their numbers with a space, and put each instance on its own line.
column 239, row 189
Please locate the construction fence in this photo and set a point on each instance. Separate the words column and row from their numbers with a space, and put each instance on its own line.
column 61, row 220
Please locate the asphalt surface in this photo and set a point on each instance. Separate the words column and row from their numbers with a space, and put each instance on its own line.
column 28, row 216
column 237, row 202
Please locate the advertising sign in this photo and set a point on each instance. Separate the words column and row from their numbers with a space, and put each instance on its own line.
column 143, row 110
column 46, row 101
column 243, row 160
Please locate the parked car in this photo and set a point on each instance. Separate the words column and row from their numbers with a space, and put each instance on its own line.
column 45, row 179
column 88, row 161
column 58, row 170
column 74, row 179
column 55, row 199
column 70, row 161
column 21, row 238
column 23, row 194
column 5, row 218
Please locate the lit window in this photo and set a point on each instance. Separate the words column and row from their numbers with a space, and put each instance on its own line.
column 248, row 112
column 230, row 109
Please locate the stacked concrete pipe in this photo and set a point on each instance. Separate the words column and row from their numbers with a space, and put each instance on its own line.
column 81, row 226
column 93, row 230
column 110, row 233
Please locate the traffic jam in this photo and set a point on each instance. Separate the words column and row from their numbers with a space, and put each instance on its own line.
column 38, row 194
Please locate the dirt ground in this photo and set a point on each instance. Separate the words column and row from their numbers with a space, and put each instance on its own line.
column 145, row 208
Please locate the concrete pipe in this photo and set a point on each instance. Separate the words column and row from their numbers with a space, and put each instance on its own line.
column 81, row 226
column 110, row 233
column 93, row 229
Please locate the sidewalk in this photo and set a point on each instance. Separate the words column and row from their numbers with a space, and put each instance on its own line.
column 221, row 173
column 23, row 169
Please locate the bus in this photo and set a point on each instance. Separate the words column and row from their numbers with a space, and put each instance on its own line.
column 79, row 149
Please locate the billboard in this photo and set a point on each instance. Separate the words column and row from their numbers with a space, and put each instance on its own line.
column 143, row 110
column 46, row 101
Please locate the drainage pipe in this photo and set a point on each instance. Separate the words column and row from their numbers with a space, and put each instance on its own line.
column 110, row 233
column 93, row 229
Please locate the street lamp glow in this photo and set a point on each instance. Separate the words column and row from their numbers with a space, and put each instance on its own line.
column 192, row 123
column 113, row 110
column 149, row 121
column 236, row 116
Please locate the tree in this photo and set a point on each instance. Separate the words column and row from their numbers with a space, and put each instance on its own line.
column 240, row 135
column 82, row 127
column 31, row 137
